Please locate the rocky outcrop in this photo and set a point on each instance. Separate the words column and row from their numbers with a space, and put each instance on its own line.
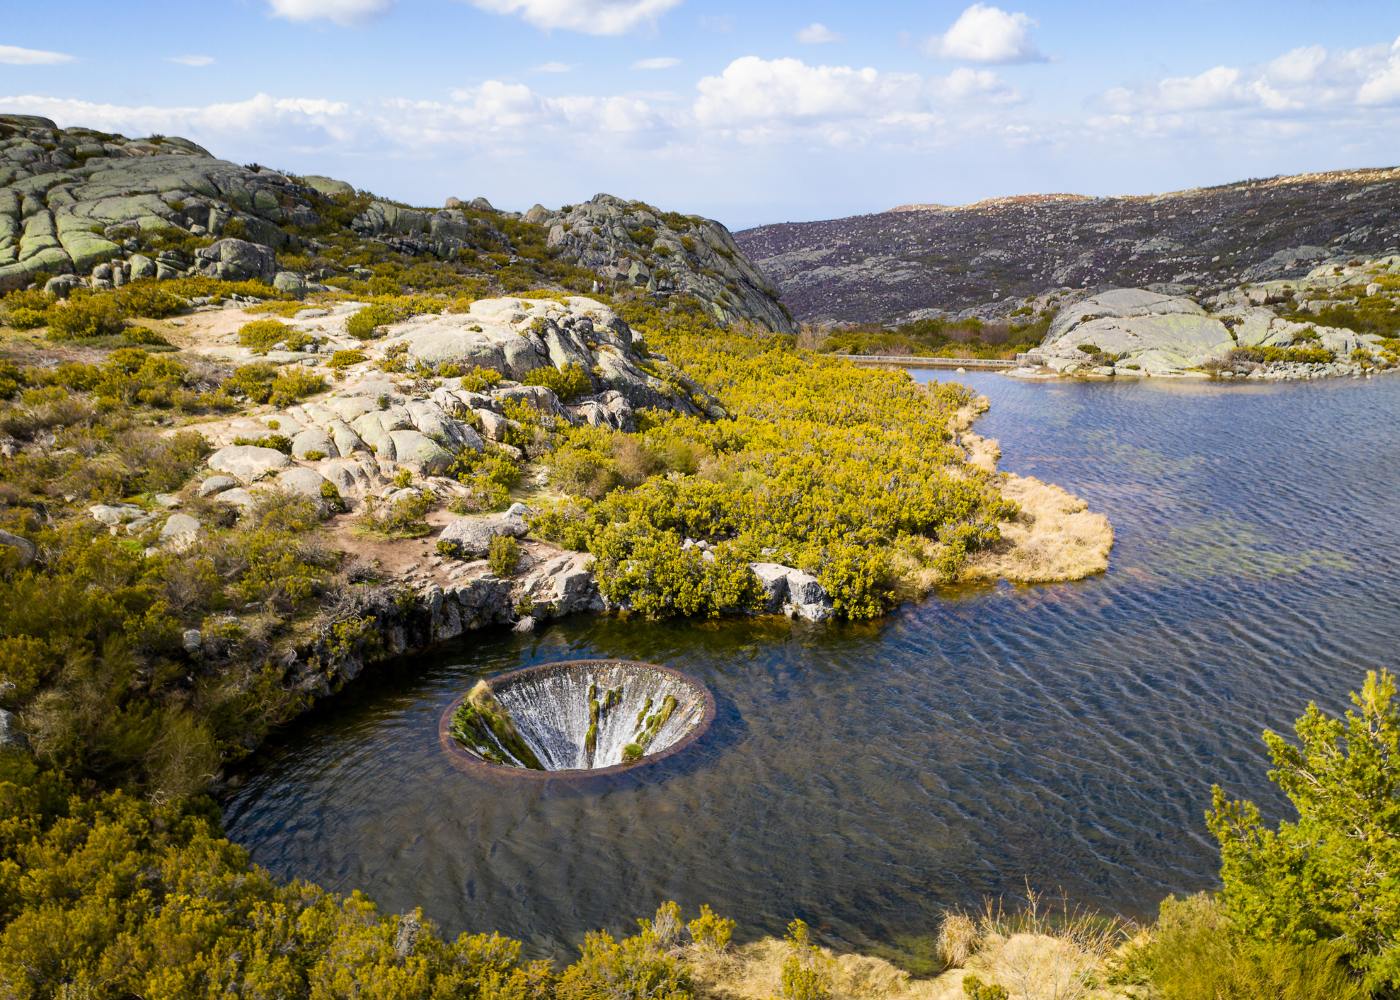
column 102, row 210
column 73, row 200
column 17, row 548
column 631, row 244
column 371, row 425
column 792, row 592
column 471, row 537
column 986, row 259
column 237, row 260
column 1264, row 331
column 1160, row 334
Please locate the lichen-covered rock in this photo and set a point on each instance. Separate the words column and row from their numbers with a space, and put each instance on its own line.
column 301, row 481
column 237, row 260
column 563, row 584
column 180, row 531
column 216, row 484
column 75, row 196
column 470, row 537
column 792, row 592
column 11, row 737
column 1162, row 334
column 18, row 548
column 247, row 462
column 682, row 255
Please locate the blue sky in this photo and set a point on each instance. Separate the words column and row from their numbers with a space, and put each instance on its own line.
column 748, row 112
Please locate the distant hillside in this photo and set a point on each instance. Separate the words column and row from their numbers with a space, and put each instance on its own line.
column 915, row 260
column 96, row 209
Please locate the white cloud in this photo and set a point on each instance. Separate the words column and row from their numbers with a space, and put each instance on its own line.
column 591, row 17
column 1303, row 81
column 13, row 55
column 1212, row 88
column 1383, row 86
column 983, row 33
column 817, row 33
column 270, row 120
column 1299, row 65
column 762, row 100
column 192, row 60
column 964, row 84
column 753, row 90
column 552, row 67
column 656, row 63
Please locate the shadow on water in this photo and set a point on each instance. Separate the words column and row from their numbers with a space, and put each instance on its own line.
column 866, row 776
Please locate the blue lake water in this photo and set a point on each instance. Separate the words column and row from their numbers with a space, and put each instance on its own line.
column 866, row 776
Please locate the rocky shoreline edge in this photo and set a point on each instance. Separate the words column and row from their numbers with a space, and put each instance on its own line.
column 1054, row 538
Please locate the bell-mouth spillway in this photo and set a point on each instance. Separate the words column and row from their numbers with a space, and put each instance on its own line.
column 575, row 719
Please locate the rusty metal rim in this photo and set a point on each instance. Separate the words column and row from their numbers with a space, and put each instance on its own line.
column 469, row 762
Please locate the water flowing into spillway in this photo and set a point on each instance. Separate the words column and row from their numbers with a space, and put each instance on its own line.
column 579, row 716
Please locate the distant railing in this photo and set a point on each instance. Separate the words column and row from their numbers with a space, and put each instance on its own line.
column 906, row 361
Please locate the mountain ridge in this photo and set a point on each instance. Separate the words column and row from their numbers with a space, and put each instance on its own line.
column 992, row 256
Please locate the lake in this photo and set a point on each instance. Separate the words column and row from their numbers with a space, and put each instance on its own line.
column 864, row 777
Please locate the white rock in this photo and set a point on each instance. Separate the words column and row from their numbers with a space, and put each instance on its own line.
column 247, row 462
column 180, row 531
column 216, row 484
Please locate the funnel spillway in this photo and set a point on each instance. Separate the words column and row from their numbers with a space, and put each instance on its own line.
column 577, row 717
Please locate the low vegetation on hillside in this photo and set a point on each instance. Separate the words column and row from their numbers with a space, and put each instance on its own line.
column 939, row 337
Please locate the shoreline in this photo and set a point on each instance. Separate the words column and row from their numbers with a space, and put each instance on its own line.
column 427, row 600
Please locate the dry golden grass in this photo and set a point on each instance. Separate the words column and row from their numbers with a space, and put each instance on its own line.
column 754, row 972
column 1054, row 538
column 1045, row 964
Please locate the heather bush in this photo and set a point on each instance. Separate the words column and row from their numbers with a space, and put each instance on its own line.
column 568, row 383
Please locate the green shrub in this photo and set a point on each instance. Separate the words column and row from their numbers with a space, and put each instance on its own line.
column 503, row 555
column 148, row 299
column 1313, row 880
column 82, row 316
column 261, row 335
column 330, row 493
column 635, row 968
column 341, row 360
column 26, row 310
column 567, row 383
column 478, row 379
column 1194, row 952
column 264, row 382
column 709, row 931
column 402, row 518
column 369, row 322
column 806, row 973
column 1283, row 355
column 975, row 989
column 277, row 442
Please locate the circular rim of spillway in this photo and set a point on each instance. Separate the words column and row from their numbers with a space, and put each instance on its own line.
column 467, row 761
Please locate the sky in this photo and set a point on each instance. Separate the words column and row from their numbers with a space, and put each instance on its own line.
column 749, row 112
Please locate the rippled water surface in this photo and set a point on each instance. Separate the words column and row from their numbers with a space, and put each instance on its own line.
column 866, row 776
